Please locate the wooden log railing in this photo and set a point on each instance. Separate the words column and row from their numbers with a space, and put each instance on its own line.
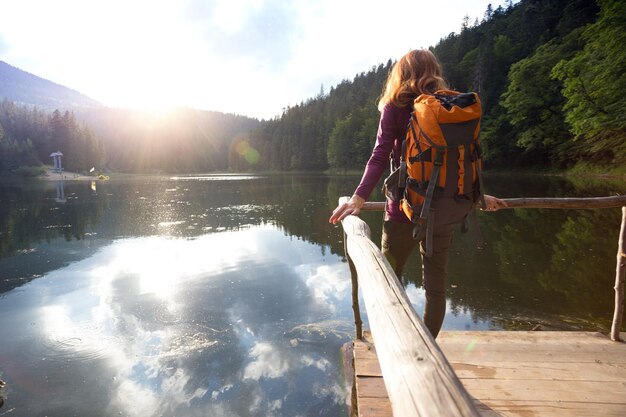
column 574, row 203
column 419, row 379
column 550, row 203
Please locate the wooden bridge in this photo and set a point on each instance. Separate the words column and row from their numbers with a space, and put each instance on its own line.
column 401, row 371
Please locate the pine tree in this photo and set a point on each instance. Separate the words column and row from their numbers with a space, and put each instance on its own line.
column 594, row 79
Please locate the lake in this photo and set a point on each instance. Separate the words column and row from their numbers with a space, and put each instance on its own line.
column 229, row 295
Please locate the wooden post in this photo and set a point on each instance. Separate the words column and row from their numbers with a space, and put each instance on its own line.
column 620, row 275
column 356, row 310
column 419, row 379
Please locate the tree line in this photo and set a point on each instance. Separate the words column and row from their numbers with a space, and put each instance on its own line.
column 549, row 74
column 29, row 136
column 109, row 139
column 175, row 141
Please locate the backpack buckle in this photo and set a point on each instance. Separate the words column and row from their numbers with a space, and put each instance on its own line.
column 438, row 158
column 423, row 232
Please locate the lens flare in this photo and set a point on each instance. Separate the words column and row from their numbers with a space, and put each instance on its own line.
column 248, row 153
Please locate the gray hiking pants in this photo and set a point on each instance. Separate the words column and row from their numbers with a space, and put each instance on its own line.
column 398, row 243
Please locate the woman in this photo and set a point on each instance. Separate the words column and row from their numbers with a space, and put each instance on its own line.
column 415, row 73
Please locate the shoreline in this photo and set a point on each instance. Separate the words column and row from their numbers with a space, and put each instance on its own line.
column 51, row 175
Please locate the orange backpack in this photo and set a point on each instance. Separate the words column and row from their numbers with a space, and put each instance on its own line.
column 442, row 140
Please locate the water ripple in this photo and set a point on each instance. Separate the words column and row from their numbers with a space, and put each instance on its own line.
column 83, row 348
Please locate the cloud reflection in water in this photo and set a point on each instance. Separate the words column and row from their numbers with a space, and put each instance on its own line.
column 186, row 327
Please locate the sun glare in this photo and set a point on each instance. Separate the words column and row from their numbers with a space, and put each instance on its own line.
column 151, row 85
column 158, row 65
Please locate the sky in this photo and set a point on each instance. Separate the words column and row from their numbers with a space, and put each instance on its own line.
column 247, row 57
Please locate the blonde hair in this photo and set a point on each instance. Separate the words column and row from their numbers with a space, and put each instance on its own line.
column 415, row 73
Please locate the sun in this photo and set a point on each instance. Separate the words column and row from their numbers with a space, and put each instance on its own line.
column 150, row 64
column 152, row 83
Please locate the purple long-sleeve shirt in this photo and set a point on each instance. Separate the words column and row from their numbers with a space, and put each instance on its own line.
column 391, row 131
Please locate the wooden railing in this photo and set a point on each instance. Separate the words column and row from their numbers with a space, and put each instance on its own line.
column 550, row 203
column 419, row 379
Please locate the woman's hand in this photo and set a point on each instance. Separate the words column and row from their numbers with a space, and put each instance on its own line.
column 353, row 206
column 493, row 203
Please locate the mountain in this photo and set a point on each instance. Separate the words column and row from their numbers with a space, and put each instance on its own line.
column 38, row 117
column 27, row 89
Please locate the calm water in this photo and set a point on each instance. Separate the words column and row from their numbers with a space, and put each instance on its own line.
column 228, row 295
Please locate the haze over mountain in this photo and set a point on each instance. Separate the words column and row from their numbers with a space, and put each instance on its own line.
column 38, row 117
column 27, row 89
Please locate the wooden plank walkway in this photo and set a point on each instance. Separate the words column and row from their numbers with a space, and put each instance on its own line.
column 517, row 373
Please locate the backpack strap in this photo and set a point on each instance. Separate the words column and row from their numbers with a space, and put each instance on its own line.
column 430, row 226
column 425, row 224
column 402, row 174
column 424, row 233
column 416, row 140
column 479, row 174
column 432, row 183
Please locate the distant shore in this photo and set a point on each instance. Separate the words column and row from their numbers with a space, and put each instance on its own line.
column 52, row 175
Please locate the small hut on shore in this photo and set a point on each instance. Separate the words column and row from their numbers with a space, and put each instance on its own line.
column 56, row 156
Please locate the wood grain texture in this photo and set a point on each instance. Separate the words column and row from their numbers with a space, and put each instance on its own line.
column 371, row 394
column 374, row 407
column 540, row 373
column 589, row 382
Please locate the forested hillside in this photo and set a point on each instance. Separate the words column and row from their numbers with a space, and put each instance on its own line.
column 550, row 74
column 335, row 127
column 109, row 139
column 175, row 141
column 38, row 117
column 28, row 136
